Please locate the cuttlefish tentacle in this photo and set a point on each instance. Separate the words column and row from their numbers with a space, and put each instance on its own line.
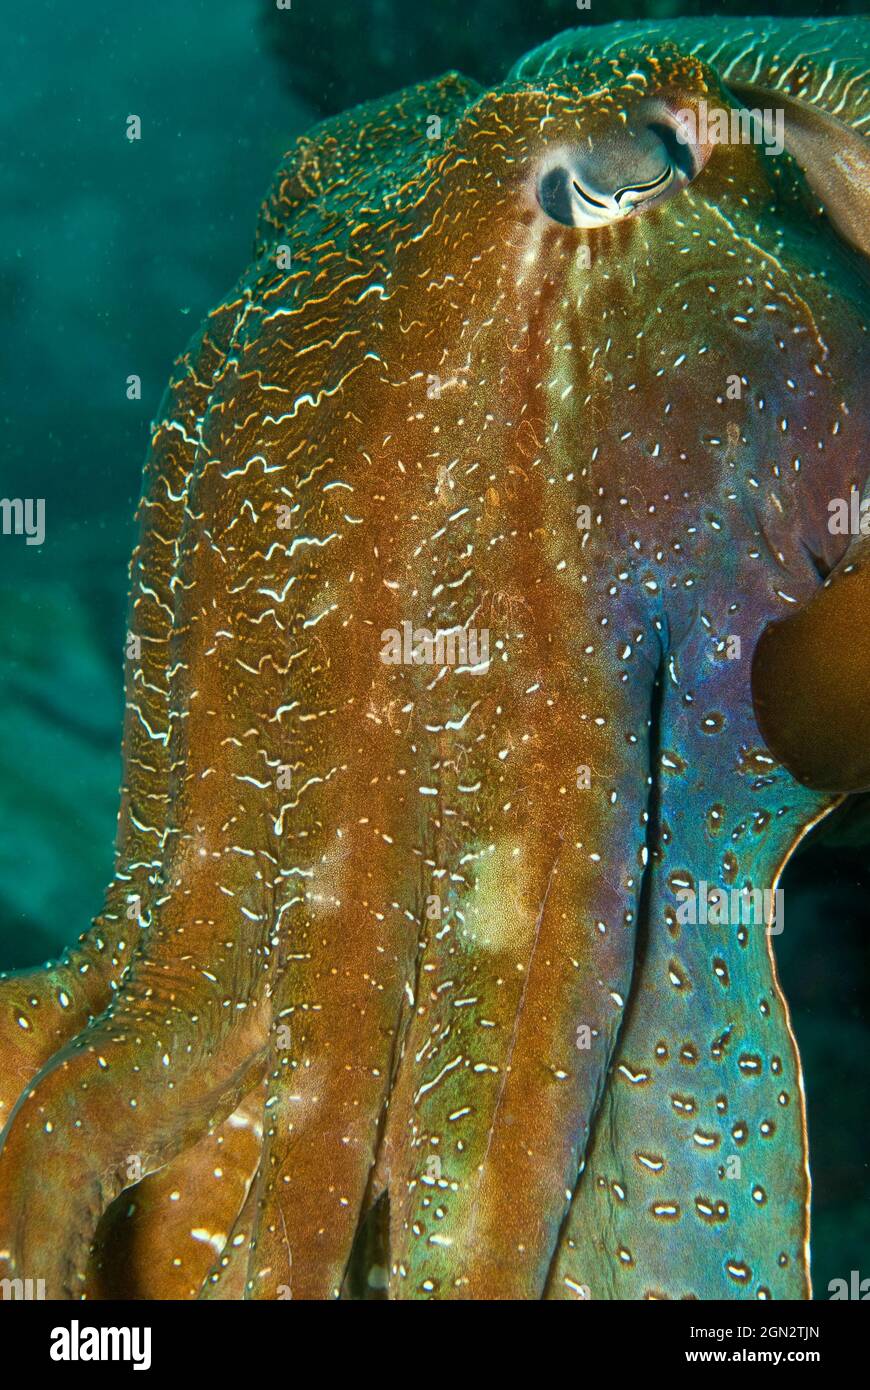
column 162, row 1241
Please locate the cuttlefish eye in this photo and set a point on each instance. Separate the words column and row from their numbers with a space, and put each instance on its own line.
column 616, row 174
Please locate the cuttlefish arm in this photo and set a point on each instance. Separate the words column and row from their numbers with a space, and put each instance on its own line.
column 163, row 1236
column 441, row 961
column 102, row 1026
column 44, row 1009
column 184, row 1040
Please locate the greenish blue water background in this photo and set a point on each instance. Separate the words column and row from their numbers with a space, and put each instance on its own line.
column 110, row 253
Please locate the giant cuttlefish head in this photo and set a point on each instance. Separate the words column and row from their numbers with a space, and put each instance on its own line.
column 501, row 599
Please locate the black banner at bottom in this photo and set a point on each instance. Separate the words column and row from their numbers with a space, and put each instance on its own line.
column 220, row 1339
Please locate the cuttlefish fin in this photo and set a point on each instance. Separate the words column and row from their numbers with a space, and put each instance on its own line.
column 810, row 678
column 835, row 160
column 815, row 73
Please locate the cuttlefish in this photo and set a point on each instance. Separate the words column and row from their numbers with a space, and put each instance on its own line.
column 491, row 648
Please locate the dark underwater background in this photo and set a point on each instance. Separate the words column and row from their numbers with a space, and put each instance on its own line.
column 111, row 251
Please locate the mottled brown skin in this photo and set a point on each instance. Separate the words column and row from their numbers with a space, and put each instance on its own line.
column 400, row 426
